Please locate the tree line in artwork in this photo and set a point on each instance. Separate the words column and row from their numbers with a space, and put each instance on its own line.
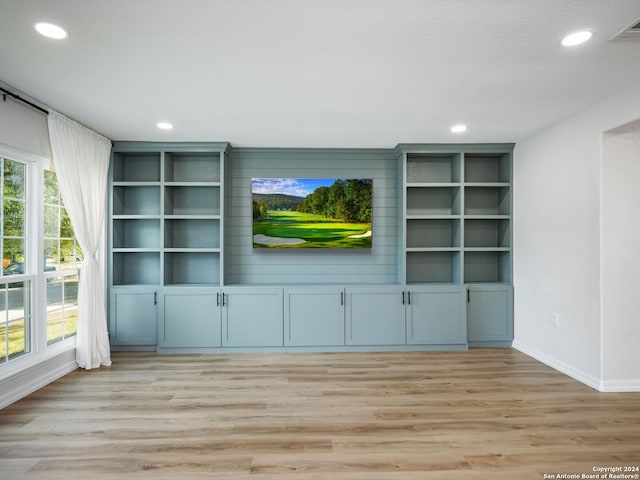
column 349, row 200
column 263, row 202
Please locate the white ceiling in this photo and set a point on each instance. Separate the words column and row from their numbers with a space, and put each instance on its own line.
column 318, row 73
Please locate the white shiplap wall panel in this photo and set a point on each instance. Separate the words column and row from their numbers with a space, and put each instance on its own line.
column 246, row 265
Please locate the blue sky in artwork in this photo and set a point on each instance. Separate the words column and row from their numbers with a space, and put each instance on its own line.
column 299, row 187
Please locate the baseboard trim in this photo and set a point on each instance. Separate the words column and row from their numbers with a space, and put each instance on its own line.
column 632, row 385
column 325, row 349
column 562, row 367
column 32, row 378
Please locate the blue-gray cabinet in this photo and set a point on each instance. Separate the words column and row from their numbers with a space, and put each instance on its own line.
column 251, row 316
column 314, row 316
column 133, row 316
column 416, row 315
column 189, row 317
column 436, row 315
column 375, row 315
column 490, row 315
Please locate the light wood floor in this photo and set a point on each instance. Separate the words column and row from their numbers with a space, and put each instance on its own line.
column 482, row 414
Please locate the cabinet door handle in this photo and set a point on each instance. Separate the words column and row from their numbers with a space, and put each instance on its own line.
column 342, row 299
column 408, row 298
column 223, row 299
column 155, row 298
column 218, row 299
column 403, row 298
column 468, row 295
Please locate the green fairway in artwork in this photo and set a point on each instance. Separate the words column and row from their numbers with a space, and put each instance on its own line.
column 291, row 229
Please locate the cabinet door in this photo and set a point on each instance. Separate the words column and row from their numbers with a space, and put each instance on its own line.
column 252, row 317
column 436, row 315
column 375, row 316
column 490, row 315
column 314, row 316
column 189, row 317
column 132, row 315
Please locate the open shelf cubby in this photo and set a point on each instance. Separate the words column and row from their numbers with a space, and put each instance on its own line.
column 487, row 233
column 192, row 233
column 192, row 200
column 487, row 168
column 136, row 200
column 487, row 201
column 433, row 168
column 136, row 167
column 189, row 268
column 136, row 268
column 433, row 267
column 441, row 233
column 493, row 267
column 136, row 233
column 192, row 167
column 433, row 201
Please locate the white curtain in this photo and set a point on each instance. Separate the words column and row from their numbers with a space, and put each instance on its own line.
column 81, row 159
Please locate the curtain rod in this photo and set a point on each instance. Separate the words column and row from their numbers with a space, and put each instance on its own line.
column 17, row 97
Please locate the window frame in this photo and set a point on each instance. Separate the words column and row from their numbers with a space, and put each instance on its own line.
column 34, row 267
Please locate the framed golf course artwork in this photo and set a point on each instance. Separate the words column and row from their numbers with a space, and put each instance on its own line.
column 327, row 213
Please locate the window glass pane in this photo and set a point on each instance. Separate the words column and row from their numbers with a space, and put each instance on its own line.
column 51, row 221
column 66, row 230
column 62, row 308
column 13, row 218
column 61, row 251
column 68, row 255
column 14, row 179
column 13, row 256
column 51, row 194
column 16, row 320
column 70, row 305
column 55, row 310
column 51, row 255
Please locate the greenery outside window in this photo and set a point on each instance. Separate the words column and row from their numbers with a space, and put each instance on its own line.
column 15, row 299
column 63, row 258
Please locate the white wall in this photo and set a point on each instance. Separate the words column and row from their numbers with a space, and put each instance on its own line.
column 557, row 239
column 620, row 258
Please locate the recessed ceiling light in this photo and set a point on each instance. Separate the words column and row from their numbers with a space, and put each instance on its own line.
column 458, row 128
column 576, row 38
column 51, row 31
column 164, row 125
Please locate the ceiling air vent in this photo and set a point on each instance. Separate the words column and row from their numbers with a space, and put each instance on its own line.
column 631, row 33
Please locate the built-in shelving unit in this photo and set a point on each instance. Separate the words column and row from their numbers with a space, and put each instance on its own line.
column 456, row 214
column 136, row 218
column 166, row 221
column 487, row 217
column 166, row 229
column 446, row 273
column 433, row 207
column 456, row 235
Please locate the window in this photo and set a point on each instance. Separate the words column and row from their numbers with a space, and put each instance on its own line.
column 63, row 257
column 40, row 260
column 15, row 300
